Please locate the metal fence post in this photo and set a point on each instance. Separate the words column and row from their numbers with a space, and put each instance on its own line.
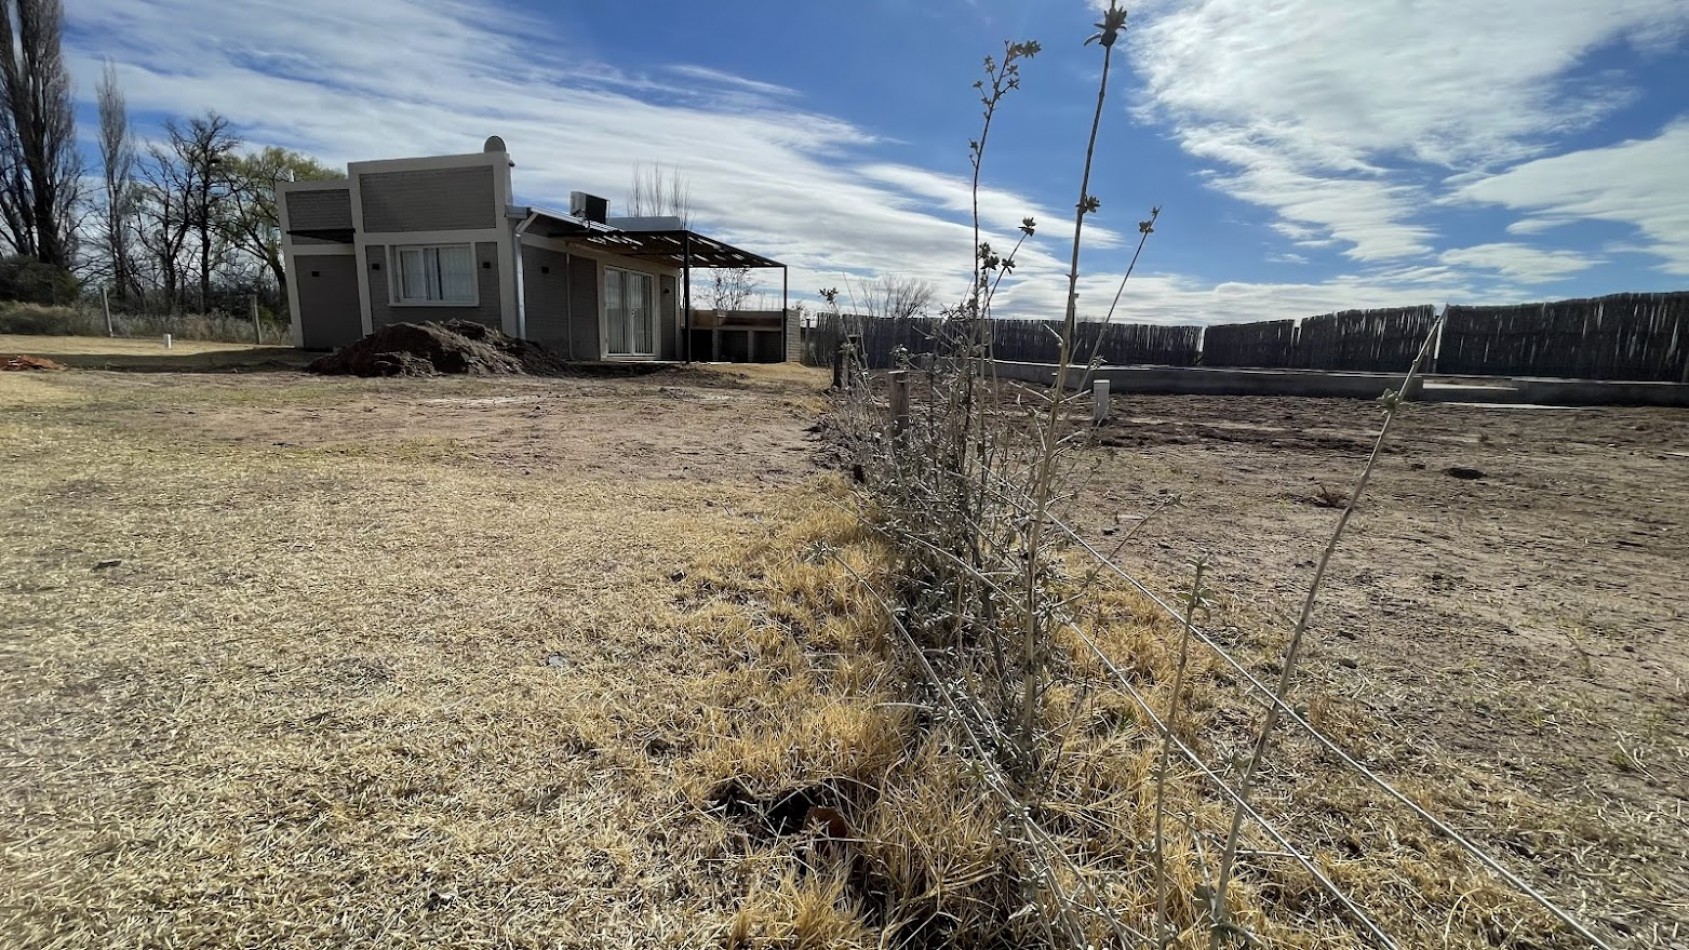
column 1099, row 404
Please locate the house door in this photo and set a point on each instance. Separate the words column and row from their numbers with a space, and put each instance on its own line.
column 629, row 315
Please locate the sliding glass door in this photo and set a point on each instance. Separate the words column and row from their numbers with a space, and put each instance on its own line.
column 629, row 314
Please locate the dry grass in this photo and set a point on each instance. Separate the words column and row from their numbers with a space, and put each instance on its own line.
column 407, row 696
column 823, row 704
column 330, row 699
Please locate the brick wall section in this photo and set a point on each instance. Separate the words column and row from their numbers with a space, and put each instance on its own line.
column 328, row 209
column 433, row 199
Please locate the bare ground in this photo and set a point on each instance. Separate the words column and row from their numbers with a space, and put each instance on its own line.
column 1511, row 605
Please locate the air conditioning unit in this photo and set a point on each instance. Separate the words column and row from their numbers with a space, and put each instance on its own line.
column 590, row 207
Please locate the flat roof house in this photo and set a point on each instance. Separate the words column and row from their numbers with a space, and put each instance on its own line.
column 416, row 239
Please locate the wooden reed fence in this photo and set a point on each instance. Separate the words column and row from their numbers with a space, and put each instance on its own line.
column 1623, row 336
column 1379, row 341
column 1032, row 341
column 1268, row 343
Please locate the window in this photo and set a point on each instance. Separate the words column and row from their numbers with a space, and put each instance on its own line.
column 628, row 314
column 440, row 274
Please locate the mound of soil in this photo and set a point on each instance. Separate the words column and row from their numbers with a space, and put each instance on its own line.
column 20, row 363
column 455, row 347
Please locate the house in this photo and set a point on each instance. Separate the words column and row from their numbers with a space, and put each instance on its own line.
column 438, row 238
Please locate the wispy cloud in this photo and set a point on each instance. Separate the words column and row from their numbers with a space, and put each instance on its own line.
column 1330, row 112
column 716, row 77
column 1638, row 182
column 1520, row 261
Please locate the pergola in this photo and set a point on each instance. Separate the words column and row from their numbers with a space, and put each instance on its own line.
column 677, row 247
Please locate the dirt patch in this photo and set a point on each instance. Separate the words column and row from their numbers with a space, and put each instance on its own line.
column 26, row 363
column 1509, row 597
column 455, row 347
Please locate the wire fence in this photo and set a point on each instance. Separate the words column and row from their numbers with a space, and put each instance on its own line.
column 1231, row 788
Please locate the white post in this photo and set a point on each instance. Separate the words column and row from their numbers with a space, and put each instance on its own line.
column 167, row 341
column 1099, row 407
column 257, row 332
column 106, row 306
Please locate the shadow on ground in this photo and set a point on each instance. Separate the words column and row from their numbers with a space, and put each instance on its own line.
column 249, row 360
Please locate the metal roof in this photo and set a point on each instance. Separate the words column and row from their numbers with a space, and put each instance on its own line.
column 676, row 247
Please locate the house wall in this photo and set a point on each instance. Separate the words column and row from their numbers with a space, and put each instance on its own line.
column 384, row 312
column 429, row 199
column 668, row 296
column 545, row 290
column 583, row 296
column 583, row 313
column 318, row 210
column 327, row 289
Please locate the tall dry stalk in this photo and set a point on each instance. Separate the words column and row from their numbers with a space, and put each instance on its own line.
column 1108, row 33
column 1169, row 723
column 1392, row 402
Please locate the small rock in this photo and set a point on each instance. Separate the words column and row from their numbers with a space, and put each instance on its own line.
column 1347, row 663
column 439, row 899
column 1463, row 473
column 557, row 660
column 106, row 565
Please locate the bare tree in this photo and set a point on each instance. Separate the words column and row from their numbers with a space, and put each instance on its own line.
column 163, row 219
column 204, row 149
column 730, row 287
column 40, row 165
column 117, row 163
column 659, row 191
column 896, row 296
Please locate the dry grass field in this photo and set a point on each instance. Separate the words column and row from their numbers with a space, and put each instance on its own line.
column 301, row 662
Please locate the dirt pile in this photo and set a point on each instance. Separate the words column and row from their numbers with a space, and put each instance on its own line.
column 23, row 363
column 455, row 347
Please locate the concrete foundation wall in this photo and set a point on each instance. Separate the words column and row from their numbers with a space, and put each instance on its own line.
column 1199, row 381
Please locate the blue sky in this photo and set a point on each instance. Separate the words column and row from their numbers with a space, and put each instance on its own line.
column 1309, row 155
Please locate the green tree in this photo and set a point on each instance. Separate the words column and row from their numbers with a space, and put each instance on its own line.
column 250, row 222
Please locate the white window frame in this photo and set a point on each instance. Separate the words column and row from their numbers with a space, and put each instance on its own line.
column 652, row 307
column 395, row 279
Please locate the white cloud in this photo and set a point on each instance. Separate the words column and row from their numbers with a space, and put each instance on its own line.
column 1520, row 261
column 1535, row 225
column 1639, row 182
column 716, row 77
column 1321, row 109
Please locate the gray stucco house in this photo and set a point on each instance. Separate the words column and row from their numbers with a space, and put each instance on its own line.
column 438, row 238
